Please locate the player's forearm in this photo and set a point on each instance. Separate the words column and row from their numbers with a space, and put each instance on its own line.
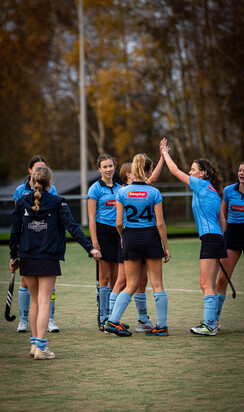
column 173, row 168
column 163, row 234
column 156, row 173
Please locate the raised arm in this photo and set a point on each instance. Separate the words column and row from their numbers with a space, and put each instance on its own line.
column 156, row 173
column 173, row 168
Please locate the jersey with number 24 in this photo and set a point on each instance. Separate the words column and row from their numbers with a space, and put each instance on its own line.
column 139, row 200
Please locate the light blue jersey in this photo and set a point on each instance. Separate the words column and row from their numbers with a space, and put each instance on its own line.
column 105, row 197
column 205, row 205
column 235, row 200
column 139, row 200
column 25, row 189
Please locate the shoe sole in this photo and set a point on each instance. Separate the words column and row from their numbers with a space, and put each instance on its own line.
column 53, row 331
column 203, row 334
column 44, row 358
column 21, row 331
column 116, row 334
column 143, row 330
column 157, row 334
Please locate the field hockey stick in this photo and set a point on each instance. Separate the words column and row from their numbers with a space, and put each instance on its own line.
column 9, row 299
column 228, row 278
column 98, row 295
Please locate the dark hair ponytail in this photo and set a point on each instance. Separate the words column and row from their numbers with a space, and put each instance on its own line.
column 212, row 174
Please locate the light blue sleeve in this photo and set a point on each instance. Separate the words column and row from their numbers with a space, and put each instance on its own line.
column 53, row 190
column 93, row 192
column 195, row 184
column 119, row 196
column 158, row 197
column 227, row 192
column 18, row 193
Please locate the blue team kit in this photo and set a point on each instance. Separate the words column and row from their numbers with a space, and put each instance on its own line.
column 139, row 200
column 205, row 205
column 235, row 200
column 105, row 197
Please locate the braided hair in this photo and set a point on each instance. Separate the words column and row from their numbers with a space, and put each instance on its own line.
column 212, row 174
column 41, row 180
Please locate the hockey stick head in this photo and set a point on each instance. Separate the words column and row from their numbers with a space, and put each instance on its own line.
column 9, row 318
column 9, row 299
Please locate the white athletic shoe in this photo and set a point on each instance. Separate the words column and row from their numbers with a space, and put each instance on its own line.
column 204, row 329
column 43, row 354
column 144, row 327
column 22, row 326
column 52, row 327
column 218, row 324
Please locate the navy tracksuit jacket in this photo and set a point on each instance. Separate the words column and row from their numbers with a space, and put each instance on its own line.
column 42, row 234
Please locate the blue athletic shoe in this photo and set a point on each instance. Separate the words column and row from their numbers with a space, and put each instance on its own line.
column 116, row 329
column 158, row 331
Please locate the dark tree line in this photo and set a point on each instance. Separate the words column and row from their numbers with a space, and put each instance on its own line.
column 153, row 68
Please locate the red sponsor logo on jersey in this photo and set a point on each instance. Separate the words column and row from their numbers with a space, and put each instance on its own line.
column 137, row 194
column 237, row 208
column 110, row 202
column 212, row 188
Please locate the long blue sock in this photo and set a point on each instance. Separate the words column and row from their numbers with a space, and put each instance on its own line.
column 209, row 312
column 41, row 343
column 103, row 291
column 141, row 306
column 52, row 306
column 112, row 300
column 220, row 302
column 122, row 301
column 107, row 303
column 161, row 303
column 33, row 340
column 24, row 303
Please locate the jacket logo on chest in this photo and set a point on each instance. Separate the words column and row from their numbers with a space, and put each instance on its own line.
column 37, row 225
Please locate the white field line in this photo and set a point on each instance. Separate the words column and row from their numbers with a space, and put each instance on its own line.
column 67, row 285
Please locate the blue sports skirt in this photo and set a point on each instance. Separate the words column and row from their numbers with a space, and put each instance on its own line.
column 108, row 239
column 139, row 243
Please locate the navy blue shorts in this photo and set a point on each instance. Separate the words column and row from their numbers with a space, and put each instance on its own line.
column 234, row 236
column 108, row 239
column 213, row 246
column 142, row 243
column 39, row 267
